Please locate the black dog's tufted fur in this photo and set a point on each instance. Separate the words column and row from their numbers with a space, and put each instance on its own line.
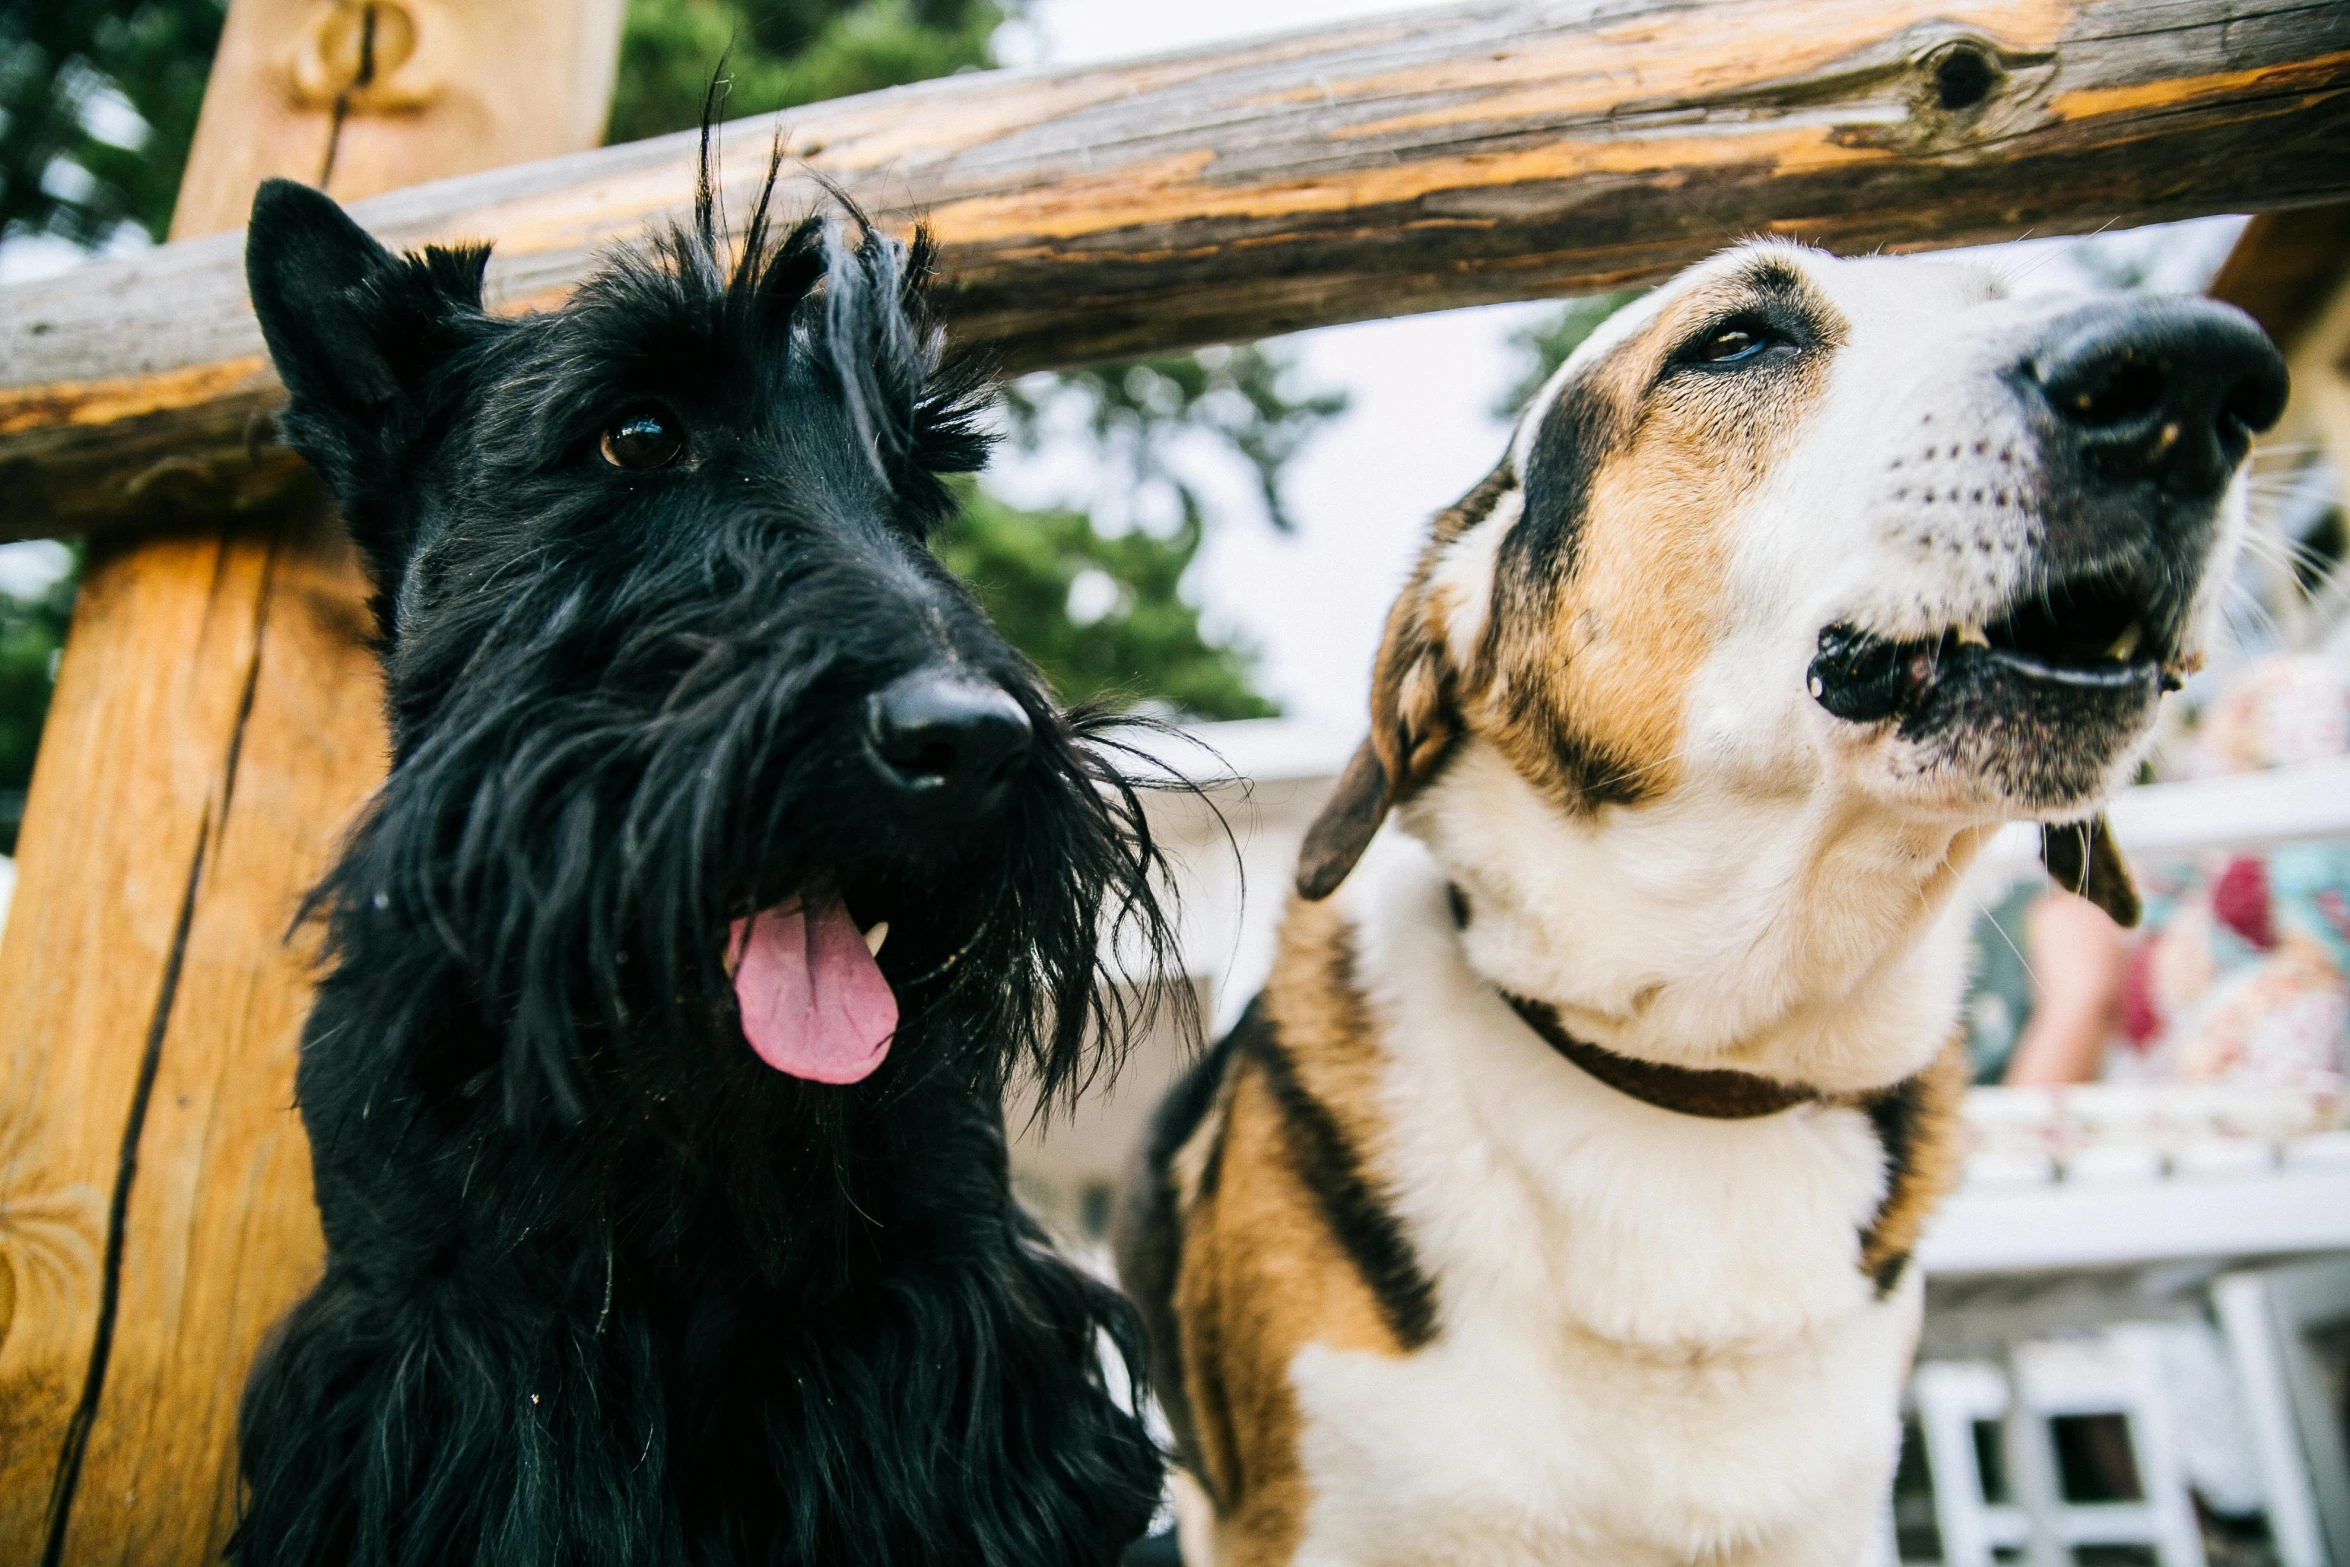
column 601, row 1286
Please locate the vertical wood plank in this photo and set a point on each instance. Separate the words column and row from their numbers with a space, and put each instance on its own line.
column 526, row 78
column 2283, row 271
column 111, row 831
column 220, row 1232
column 251, row 125
column 457, row 86
column 216, row 723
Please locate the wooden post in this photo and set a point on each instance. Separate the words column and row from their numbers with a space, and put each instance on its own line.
column 215, row 724
column 2290, row 271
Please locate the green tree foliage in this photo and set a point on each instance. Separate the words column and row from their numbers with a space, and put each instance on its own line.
column 1140, row 415
column 31, row 631
column 785, row 53
column 1545, row 345
column 98, row 103
column 1102, row 616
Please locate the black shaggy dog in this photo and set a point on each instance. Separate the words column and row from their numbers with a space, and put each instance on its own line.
column 666, row 1225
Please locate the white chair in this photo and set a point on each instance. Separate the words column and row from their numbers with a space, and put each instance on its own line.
column 1951, row 1397
column 2265, row 1314
column 2115, row 1372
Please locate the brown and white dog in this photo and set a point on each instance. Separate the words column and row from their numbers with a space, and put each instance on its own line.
column 1551, row 1205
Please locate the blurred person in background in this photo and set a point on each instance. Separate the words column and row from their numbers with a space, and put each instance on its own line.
column 2241, row 970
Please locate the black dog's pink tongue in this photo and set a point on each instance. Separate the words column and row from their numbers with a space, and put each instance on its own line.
column 813, row 1001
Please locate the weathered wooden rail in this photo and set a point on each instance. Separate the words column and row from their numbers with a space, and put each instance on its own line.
column 1496, row 150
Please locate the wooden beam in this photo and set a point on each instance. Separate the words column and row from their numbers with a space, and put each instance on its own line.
column 216, row 723
column 1488, row 151
column 2285, row 267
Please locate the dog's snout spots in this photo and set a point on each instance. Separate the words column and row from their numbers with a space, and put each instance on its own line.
column 945, row 742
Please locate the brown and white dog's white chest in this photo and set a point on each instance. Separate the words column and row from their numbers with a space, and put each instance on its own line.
column 1655, row 1340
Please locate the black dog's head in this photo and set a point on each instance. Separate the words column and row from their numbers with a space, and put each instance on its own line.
column 686, row 717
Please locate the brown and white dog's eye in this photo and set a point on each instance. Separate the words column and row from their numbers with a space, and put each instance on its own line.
column 648, row 438
column 1733, row 342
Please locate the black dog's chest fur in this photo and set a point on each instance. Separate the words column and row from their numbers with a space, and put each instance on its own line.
column 655, row 1373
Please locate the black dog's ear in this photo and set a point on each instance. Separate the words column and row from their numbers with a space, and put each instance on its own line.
column 354, row 330
column 2082, row 857
column 316, row 279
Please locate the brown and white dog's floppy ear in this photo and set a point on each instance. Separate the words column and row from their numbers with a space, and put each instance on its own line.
column 2082, row 857
column 1345, row 827
column 1413, row 722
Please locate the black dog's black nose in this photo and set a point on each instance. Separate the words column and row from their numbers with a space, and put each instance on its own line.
column 945, row 740
column 2167, row 390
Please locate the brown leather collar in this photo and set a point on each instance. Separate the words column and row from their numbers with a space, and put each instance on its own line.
column 1718, row 1095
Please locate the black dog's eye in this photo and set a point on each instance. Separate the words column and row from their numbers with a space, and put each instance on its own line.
column 648, row 438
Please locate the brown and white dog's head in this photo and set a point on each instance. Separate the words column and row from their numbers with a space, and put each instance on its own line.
column 1851, row 540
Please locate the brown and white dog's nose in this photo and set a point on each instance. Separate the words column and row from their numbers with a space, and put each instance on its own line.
column 944, row 741
column 2168, row 391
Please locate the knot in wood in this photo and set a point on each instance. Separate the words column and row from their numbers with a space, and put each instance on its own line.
column 356, row 56
column 1965, row 75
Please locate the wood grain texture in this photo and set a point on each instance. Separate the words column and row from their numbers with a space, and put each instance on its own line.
column 2285, row 267
column 1494, row 150
column 220, row 1231
column 112, row 830
column 216, row 723
column 457, row 85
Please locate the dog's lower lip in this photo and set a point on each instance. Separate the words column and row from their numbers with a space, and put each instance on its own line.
column 1948, row 654
column 2092, row 631
column 1863, row 678
column 2104, row 675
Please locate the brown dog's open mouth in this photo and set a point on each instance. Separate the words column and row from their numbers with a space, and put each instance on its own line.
column 2092, row 636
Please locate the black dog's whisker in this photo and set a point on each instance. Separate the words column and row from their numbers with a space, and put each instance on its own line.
column 666, row 1194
